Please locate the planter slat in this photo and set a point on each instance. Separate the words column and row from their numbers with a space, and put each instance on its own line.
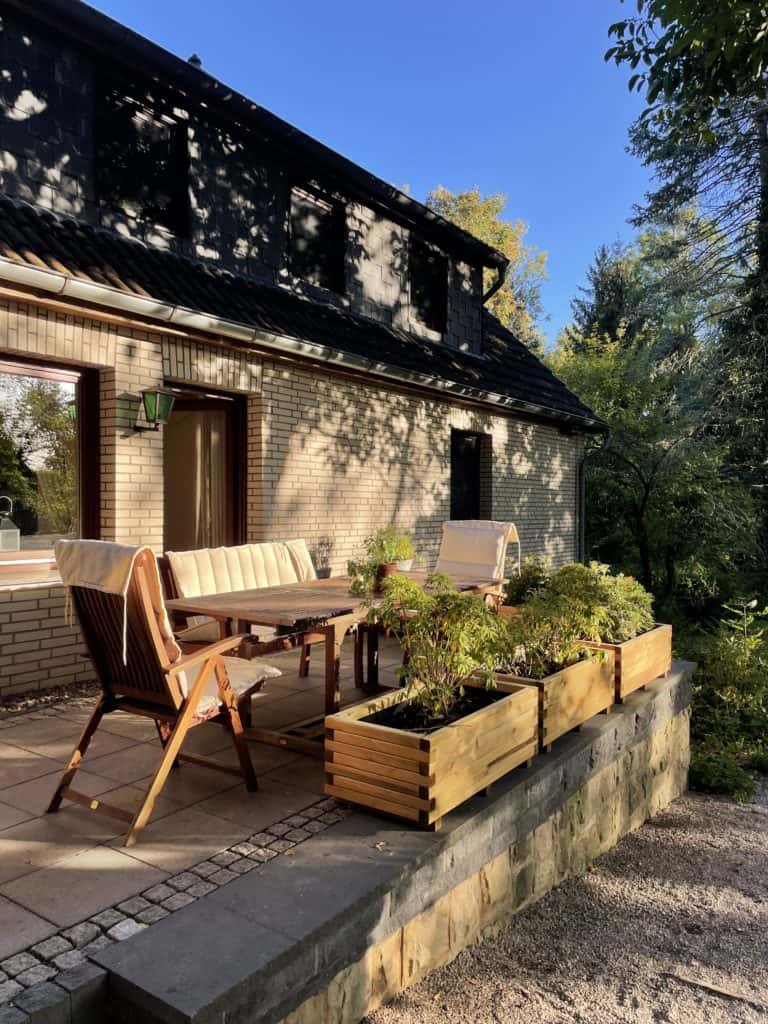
column 640, row 660
column 571, row 697
column 350, row 757
column 359, row 738
column 435, row 771
column 354, row 796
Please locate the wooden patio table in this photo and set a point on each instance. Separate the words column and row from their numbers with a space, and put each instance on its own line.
column 321, row 610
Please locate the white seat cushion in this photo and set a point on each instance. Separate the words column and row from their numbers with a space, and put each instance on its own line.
column 244, row 675
column 474, row 549
column 244, row 567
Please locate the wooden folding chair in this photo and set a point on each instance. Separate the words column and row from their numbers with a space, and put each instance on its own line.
column 157, row 681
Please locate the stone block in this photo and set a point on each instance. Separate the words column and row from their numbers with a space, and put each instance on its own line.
column 45, row 1004
column 87, row 987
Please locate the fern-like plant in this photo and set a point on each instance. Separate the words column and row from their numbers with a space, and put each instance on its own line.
column 546, row 637
column 618, row 606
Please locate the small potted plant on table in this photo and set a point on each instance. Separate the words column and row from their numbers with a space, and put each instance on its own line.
column 385, row 549
column 621, row 611
column 452, row 730
column 543, row 649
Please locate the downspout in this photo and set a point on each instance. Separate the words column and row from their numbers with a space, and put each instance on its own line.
column 581, row 510
column 501, row 271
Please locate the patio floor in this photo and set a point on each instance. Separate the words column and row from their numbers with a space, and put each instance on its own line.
column 67, row 886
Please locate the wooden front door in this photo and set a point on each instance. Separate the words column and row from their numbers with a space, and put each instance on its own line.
column 203, row 462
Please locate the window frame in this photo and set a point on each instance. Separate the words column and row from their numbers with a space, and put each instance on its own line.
column 336, row 282
column 114, row 92
column 484, row 474
column 16, row 566
column 418, row 245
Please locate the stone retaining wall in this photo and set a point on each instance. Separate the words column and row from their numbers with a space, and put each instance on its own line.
column 371, row 906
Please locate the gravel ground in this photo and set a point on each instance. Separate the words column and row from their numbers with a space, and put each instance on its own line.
column 687, row 895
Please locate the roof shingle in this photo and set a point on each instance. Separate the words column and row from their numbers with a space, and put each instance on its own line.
column 41, row 239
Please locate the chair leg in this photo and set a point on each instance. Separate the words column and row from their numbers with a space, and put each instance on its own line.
column 77, row 755
column 170, row 753
column 236, row 728
column 164, row 732
column 244, row 710
column 306, row 650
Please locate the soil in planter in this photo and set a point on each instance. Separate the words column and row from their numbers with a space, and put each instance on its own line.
column 413, row 717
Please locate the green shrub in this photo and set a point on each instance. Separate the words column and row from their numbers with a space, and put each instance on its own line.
column 719, row 771
column 617, row 607
column 534, row 574
column 730, row 709
column 449, row 636
column 547, row 636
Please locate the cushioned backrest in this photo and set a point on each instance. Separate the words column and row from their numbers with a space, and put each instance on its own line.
column 474, row 548
column 245, row 567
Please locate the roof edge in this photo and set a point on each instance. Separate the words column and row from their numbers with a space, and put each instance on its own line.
column 79, row 290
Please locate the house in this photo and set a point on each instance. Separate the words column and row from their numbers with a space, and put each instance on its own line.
column 324, row 336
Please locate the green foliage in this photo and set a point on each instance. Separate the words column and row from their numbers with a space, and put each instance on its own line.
column 517, row 304
column 614, row 607
column 449, row 637
column 658, row 493
column 702, row 52
column 385, row 546
column 546, row 637
column 534, row 573
column 730, row 718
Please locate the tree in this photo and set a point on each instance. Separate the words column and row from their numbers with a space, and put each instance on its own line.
column 610, row 306
column 518, row 303
column 658, row 502
column 708, row 51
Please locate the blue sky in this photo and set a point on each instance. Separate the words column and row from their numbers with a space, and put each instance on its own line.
column 513, row 97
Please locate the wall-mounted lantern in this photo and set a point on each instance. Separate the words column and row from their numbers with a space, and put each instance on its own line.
column 158, row 406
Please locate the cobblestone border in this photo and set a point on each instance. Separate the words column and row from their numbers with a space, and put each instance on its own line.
column 26, row 977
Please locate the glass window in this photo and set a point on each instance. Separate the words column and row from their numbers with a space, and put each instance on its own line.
column 142, row 157
column 317, row 241
column 40, row 459
column 429, row 285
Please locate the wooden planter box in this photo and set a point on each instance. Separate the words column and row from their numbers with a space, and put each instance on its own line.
column 422, row 777
column 641, row 659
column 571, row 697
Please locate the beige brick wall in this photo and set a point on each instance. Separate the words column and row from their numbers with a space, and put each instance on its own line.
column 329, row 459
column 343, row 457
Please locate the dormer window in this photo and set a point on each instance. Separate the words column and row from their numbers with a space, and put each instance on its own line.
column 429, row 285
column 317, row 240
column 142, row 157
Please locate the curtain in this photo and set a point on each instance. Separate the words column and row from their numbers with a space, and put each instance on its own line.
column 196, row 479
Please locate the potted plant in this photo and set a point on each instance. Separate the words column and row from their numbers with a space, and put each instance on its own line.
column 621, row 612
column 543, row 648
column 454, row 727
column 385, row 549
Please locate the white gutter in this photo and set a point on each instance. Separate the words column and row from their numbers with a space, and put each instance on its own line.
column 113, row 298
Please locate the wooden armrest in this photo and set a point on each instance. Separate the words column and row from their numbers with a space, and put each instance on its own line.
column 229, row 643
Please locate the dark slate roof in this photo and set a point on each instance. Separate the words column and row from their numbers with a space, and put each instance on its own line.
column 41, row 239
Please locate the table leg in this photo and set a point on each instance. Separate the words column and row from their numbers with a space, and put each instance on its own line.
column 372, row 643
column 360, row 632
column 334, row 636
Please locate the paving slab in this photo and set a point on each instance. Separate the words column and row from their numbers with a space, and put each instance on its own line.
column 271, row 802
column 81, row 885
column 183, row 838
column 19, row 765
column 35, row 795
column 34, row 844
column 20, row 928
